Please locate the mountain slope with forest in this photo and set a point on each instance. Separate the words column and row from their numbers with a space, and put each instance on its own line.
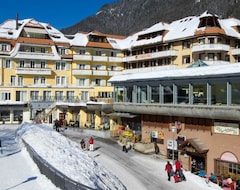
column 124, row 17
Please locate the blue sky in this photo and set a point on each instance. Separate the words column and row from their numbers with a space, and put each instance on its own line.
column 58, row 13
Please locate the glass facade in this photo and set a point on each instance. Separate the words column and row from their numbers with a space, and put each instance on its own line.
column 202, row 93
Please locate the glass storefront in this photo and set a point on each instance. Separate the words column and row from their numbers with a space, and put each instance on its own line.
column 212, row 94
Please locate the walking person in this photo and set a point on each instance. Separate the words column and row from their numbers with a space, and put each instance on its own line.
column 178, row 166
column 91, row 143
column 169, row 170
column 83, row 144
column 156, row 148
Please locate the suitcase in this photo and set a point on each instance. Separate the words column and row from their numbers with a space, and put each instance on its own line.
column 176, row 178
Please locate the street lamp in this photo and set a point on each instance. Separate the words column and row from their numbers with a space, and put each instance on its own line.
column 173, row 128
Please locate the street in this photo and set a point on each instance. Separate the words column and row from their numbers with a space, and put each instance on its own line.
column 135, row 170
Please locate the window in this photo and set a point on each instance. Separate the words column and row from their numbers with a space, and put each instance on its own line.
column 97, row 67
column 62, row 51
column 39, row 80
column 5, row 95
column 35, row 80
column 7, row 63
column 84, row 95
column 13, row 80
column 61, row 80
column 70, row 96
column 34, row 95
column 211, row 40
column 186, row 44
column 43, row 64
column 113, row 54
column 43, row 80
column 21, row 95
column 112, row 68
column 97, row 82
column 4, row 47
column 32, row 64
column 81, row 66
column 21, row 65
column 20, row 80
column 61, row 66
column 47, row 95
column 82, row 52
column 98, row 53
column 155, row 94
column 59, row 95
column 186, row 59
column 32, row 49
column 82, row 82
column 105, row 94
column 43, row 50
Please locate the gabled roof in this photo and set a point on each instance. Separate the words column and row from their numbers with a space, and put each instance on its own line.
column 196, row 144
column 198, row 63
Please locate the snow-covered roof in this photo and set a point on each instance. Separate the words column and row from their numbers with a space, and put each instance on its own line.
column 11, row 29
column 79, row 39
column 176, row 30
column 178, row 73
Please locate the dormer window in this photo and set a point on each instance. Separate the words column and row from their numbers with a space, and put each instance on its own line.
column 4, row 47
column 209, row 21
column 94, row 38
column 150, row 35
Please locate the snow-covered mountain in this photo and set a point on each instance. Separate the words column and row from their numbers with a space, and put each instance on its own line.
column 124, row 17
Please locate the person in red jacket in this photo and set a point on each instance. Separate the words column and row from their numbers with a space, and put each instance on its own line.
column 91, row 142
column 169, row 169
column 178, row 166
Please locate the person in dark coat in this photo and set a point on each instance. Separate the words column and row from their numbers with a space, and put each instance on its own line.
column 169, row 169
column 156, row 148
column 83, row 144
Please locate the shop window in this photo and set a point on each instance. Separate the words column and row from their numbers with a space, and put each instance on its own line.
column 227, row 168
column 235, row 94
column 219, row 94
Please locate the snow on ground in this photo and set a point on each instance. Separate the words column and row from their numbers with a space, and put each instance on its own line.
column 67, row 157
column 19, row 172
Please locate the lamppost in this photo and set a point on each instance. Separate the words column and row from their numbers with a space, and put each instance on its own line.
column 173, row 131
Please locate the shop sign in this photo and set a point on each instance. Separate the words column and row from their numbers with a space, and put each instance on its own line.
column 226, row 128
column 172, row 146
column 161, row 135
column 154, row 134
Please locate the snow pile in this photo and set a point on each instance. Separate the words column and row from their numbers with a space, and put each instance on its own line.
column 67, row 157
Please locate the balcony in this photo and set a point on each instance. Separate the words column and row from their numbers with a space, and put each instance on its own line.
column 111, row 73
column 236, row 51
column 210, row 47
column 115, row 59
column 82, row 57
column 154, row 55
column 81, row 72
column 100, row 58
column 33, row 71
column 100, row 72
column 35, row 55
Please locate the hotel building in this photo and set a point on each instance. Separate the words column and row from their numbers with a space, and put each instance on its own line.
column 174, row 83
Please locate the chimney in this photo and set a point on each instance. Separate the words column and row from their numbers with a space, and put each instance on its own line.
column 17, row 21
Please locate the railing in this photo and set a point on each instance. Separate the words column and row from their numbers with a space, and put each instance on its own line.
column 57, row 177
column 209, row 47
column 71, row 99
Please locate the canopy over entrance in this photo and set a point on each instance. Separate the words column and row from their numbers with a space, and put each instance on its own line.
column 193, row 145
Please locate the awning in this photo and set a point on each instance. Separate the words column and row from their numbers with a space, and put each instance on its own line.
column 194, row 144
column 120, row 114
